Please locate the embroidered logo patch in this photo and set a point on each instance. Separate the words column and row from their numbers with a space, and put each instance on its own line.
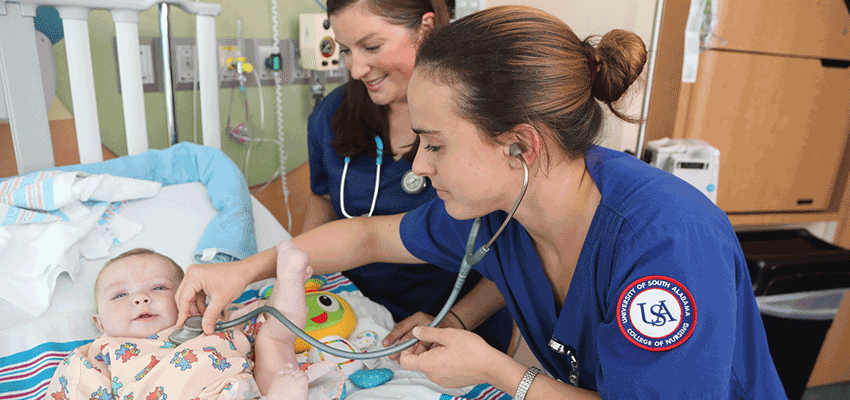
column 657, row 313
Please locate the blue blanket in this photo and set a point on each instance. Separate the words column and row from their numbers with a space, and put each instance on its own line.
column 226, row 188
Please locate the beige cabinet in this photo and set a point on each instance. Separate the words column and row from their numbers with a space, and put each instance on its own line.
column 773, row 96
column 801, row 28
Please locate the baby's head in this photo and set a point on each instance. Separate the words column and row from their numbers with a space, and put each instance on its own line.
column 134, row 293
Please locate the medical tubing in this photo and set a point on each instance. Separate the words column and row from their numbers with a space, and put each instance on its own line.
column 279, row 99
column 516, row 205
column 262, row 107
column 342, row 188
column 379, row 158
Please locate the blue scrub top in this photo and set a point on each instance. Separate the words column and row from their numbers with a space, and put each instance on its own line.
column 404, row 289
column 660, row 304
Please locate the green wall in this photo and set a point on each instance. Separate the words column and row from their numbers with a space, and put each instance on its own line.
column 256, row 23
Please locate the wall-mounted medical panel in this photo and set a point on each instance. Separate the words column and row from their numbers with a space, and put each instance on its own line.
column 781, row 124
column 815, row 28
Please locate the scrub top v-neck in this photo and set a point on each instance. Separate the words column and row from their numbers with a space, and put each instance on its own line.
column 660, row 304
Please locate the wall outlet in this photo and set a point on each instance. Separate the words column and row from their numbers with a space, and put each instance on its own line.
column 184, row 61
column 147, row 68
column 151, row 64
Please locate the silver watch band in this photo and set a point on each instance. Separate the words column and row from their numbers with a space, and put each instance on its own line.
column 525, row 383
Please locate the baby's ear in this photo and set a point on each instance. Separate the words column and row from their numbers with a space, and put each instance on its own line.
column 96, row 319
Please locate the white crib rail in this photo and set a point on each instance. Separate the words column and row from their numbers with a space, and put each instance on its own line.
column 28, row 121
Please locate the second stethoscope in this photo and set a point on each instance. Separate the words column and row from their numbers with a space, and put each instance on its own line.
column 410, row 182
column 192, row 326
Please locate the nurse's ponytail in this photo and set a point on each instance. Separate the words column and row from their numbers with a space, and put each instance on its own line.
column 618, row 60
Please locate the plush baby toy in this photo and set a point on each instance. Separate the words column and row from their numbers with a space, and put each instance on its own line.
column 327, row 314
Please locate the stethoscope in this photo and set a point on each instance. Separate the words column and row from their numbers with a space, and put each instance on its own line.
column 410, row 182
column 192, row 326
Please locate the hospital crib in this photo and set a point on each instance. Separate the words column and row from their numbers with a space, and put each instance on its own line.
column 22, row 84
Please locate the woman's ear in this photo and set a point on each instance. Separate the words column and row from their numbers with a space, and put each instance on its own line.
column 426, row 24
column 529, row 140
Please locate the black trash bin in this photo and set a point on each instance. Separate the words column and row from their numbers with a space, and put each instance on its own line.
column 799, row 281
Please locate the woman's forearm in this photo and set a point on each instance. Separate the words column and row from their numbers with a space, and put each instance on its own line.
column 507, row 375
column 479, row 304
column 344, row 244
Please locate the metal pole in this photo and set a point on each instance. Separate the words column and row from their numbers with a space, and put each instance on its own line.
column 650, row 75
column 170, row 110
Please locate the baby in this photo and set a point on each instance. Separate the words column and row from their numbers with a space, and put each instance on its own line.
column 136, row 311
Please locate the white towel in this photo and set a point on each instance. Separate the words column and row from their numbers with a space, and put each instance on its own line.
column 45, row 222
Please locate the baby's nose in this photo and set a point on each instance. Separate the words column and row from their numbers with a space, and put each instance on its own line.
column 142, row 300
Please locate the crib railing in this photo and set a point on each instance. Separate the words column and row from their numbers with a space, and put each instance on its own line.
column 22, row 79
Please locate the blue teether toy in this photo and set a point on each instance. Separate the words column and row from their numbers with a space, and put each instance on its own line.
column 369, row 378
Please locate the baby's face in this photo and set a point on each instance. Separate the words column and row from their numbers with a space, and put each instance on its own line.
column 136, row 297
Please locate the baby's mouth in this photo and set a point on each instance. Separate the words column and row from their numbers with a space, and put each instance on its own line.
column 145, row 316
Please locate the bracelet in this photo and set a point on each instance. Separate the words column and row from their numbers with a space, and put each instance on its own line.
column 525, row 383
column 459, row 320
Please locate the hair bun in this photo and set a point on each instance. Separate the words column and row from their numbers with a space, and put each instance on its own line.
column 621, row 56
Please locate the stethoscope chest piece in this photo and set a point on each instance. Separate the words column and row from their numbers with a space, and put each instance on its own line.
column 412, row 183
column 191, row 329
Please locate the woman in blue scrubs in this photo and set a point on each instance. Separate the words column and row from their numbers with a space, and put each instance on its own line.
column 379, row 42
column 625, row 281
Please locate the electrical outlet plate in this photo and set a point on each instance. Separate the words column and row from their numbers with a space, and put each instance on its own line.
column 184, row 58
column 151, row 70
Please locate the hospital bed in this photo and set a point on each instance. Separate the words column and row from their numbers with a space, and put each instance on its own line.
column 189, row 202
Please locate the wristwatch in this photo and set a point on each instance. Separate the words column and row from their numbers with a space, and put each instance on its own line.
column 525, row 383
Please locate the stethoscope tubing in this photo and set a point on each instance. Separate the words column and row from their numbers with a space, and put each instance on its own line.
column 379, row 145
column 470, row 258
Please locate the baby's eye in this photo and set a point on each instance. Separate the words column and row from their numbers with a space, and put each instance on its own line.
column 160, row 287
column 118, row 296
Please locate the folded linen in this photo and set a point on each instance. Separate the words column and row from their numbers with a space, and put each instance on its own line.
column 230, row 234
column 46, row 217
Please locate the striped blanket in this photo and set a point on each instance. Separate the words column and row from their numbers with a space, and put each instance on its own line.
column 27, row 374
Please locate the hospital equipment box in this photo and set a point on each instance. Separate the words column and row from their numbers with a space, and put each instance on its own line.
column 693, row 160
column 799, row 281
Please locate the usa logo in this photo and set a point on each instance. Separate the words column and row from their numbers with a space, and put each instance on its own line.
column 657, row 313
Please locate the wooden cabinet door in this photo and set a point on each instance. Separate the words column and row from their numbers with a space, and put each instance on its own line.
column 812, row 28
column 781, row 125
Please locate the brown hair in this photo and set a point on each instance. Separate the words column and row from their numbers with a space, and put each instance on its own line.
column 136, row 252
column 516, row 64
column 358, row 119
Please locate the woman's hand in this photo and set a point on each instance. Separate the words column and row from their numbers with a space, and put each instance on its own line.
column 222, row 282
column 402, row 331
column 459, row 358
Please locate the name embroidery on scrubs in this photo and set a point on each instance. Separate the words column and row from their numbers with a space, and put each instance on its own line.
column 657, row 313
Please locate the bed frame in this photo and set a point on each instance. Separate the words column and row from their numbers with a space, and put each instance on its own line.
column 22, row 86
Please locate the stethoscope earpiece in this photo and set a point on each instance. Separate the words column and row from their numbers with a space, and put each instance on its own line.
column 515, row 150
